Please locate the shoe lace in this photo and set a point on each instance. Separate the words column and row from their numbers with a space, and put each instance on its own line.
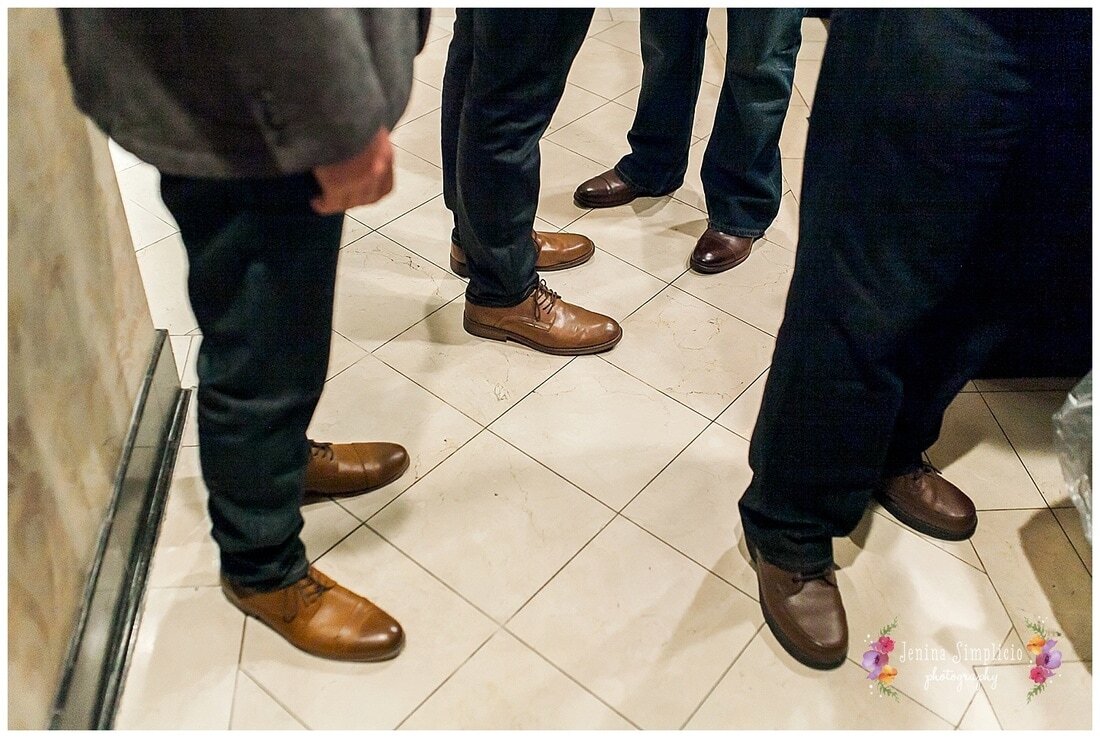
column 823, row 574
column 545, row 298
column 924, row 468
column 308, row 590
column 321, row 450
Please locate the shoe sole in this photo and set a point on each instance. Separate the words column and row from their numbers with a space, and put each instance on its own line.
column 386, row 656
column 921, row 526
column 718, row 268
column 310, row 497
column 496, row 334
column 459, row 267
column 780, row 636
column 598, row 204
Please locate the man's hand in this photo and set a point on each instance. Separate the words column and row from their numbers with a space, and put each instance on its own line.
column 360, row 180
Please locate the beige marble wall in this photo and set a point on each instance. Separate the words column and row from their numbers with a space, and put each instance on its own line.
column 79, row 337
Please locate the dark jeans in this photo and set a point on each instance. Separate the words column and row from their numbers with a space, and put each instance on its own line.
column 261, row 281
column 506, row 71
column 947, row 168
column 742, row 173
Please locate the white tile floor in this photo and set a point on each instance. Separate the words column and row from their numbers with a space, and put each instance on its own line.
column 564, row 551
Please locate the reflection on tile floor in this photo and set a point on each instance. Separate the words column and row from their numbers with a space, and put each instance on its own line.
column 565, row 550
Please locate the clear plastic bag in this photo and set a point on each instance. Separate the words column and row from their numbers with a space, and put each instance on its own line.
column 1073, row 442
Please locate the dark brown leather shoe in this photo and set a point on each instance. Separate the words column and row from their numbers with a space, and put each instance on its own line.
column 555, row 251
column 929, row 504
column 716, row 252
column 320, row 617
column 545, row 323
column 346, row 469
column 606, row 191
column 804, row 612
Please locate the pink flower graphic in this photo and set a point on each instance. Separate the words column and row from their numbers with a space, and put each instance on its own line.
column 884, row 645
column 1039, row 674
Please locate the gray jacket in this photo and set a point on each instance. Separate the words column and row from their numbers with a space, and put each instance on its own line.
column 224, row 93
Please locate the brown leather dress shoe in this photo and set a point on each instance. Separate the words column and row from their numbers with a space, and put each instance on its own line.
column 320, row 617
column 716, row 251
column 545, row 323
column 346, row 469
column 555, row 251
column 929, row 504
column 606, row 191
column 804, row 612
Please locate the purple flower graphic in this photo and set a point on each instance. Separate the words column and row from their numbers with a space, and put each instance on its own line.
column 1050, row 658
column 873, row 662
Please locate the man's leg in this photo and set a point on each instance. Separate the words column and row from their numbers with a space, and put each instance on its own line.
column 516, row 77
column 674, row 43
column 261, row 282
column 905, row 164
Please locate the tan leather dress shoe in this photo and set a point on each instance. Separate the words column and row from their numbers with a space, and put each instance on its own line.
column 804, row 612
column 555, row 251
column 320, row 617
column 606, row 191
column 346, row 469
column 716, row 251
column 929, row 504
column 545, row 323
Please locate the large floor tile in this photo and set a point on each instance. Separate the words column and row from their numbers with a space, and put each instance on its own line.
column 145, row 228
column 1026, row 418
column 974, row 454
column 692, row 505
column 372, row 402
column 740, row 417
column 755, row 291
column 184, row 664
column 1038, row 575
column 423, row 98
column 606, row 284
column 1070, row 521
column 806, row 73
column 163, row 267
column 254, row 709
column 575, row 102
column 425, row 231
column 796, row 126
column 492, row 524
column 654, row 234
column 600, row 428
column 767, row 689
column 599, row 136
column 605, row 69
column 507, row 686
column 784, row 229
column 980, row 715
column 639, row 625
column 422, row 138
column 560, row 173
column 442, row 632
column 692, row 351
column 1066, row 704
column 430, row 63
column 1027, row 384
column 624, row 34
column 479, row 377
column 415, row 181
column 939, row 602
column 382, row 289
column 141, row 184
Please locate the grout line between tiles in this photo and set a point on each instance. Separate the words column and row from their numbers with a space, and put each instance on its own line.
column 885, row 515
column 570, row 677
column 714, row 686
column 1066, row 533
column 447, row 679
column 1014, row 449
column 263, row 688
